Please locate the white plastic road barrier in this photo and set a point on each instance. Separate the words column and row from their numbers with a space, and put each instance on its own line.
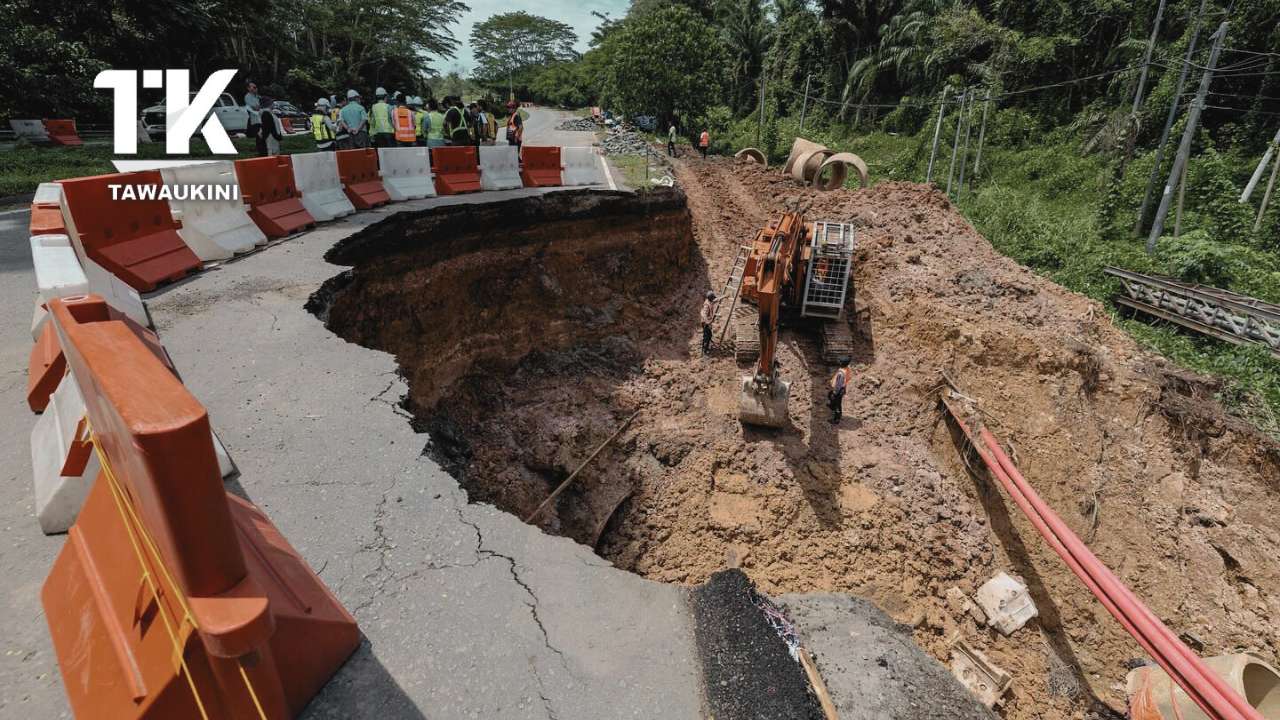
column 48, row 194
column 316, row 175
column 213, row 229
column 499, row 167
column 116, row 292
column 406, row 173
column 30, row 130
column 580, row 166
column 58, row 274
column 59, row 496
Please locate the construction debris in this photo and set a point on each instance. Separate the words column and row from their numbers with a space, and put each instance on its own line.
column 1007, row 603
column 582, row 123
column 622, row 140
column 987, row 681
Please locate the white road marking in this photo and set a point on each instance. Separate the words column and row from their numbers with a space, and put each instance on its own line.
column 608, row 175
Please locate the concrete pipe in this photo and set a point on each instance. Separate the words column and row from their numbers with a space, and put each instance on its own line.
column 752, row 154
column 1153, row 696
column 835, row 170
column 798, row 148
column 806, row 165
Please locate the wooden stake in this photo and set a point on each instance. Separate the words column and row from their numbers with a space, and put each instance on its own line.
column 556, row 493
column 819, row 687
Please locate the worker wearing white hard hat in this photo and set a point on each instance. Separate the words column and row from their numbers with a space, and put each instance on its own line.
column 355, row 120
column 380, row 126
column 421, row 123
column 323, row 128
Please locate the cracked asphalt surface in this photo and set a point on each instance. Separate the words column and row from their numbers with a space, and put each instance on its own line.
column 466, row 612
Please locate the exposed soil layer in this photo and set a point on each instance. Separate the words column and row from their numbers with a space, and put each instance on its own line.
column 528, row 343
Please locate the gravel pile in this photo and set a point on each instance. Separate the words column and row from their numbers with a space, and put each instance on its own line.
column 625, row 141
column 582, row 123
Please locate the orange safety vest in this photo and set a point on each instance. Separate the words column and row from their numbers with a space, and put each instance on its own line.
column 705, row 140
column 402, row 120
column 848, row 377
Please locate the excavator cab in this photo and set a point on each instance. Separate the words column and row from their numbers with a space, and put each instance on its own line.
column 794, row 270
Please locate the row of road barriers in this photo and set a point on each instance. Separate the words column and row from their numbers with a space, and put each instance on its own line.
column 171, row 597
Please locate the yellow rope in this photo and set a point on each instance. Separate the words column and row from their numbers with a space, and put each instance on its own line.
column 131, row 521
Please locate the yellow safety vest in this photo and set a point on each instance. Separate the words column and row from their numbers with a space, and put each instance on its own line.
column 418, row 117
column 404, row 124
column 320, row 129
column 380, row 118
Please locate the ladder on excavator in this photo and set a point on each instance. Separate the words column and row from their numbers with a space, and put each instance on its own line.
column 732, row 284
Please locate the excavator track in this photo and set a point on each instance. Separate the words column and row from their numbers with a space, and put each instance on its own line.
column 837, row 341
column 746, row 334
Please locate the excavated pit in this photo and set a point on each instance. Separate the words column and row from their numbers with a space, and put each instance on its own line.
column 530, row 330
column 518, row 326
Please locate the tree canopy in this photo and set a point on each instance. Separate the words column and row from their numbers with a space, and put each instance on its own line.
column 515, row 42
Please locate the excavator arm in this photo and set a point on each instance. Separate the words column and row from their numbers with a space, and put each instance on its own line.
column 763, row 400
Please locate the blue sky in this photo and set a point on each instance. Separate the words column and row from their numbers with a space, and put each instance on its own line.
column 576, row 13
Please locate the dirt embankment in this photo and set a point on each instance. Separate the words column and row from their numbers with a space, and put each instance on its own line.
column 527, row 349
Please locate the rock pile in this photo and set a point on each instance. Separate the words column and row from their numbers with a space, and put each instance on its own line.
column 625, row 141
column 582, row 123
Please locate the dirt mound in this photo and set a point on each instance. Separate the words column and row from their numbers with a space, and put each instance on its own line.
column 527, row 344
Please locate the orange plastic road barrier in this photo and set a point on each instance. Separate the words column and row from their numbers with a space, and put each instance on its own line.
column 358, row 170
column 457, row 169
column 46, row 364
column 268, row 188
column 171, row 598
column 46, row 219
column 137, row 240
column 45, row 369
column 540, row 166
column 63, row 132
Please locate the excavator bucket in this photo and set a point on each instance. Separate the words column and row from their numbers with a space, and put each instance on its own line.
column 763, row 403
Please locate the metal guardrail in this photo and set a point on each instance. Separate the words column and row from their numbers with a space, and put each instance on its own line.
column 1222, row 314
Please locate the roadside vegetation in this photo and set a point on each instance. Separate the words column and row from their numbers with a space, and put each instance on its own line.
column 26, row 166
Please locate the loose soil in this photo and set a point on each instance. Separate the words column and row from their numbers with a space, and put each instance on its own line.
column 529, row 335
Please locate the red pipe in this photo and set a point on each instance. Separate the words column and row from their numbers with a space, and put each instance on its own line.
column 1206, row 689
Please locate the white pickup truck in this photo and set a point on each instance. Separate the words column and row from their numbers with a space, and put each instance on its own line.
column 233, row 116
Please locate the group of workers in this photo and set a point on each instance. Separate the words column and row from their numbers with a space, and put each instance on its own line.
column 836, row 387
column 396, row 120
column 704, row 142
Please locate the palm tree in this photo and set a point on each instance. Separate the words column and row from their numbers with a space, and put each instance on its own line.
column 902, row 49
column 748, row 34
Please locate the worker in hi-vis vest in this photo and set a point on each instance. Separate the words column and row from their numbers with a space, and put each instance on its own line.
column 402, row 121
column 323, row 128
column 380, row 121
column 435, row 124
column 421, row 122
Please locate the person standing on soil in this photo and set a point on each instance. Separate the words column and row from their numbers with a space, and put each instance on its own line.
column 708, row 317
column 671, row 141
column 704, row 141
column 839, row 384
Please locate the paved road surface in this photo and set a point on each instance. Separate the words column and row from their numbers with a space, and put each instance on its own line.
column 466, row 612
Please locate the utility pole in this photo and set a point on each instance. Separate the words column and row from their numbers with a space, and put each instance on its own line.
column 1168, row 124
column 804, row 105
column 1262, row 167
column 937, row 129
column 982, row 134
column 955, row 143
column 1137, row 97
column 1184, row 149
column 964, row 153
column 1266, row 196
column 760, row 125
column 1182, row 194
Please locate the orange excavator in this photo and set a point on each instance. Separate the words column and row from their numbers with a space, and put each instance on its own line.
column 798, row 272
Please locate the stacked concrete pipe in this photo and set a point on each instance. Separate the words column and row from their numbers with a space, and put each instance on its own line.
column 812, row 164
